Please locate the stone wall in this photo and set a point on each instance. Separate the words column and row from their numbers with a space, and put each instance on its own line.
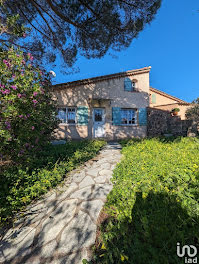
column 193, row 129
column 161, row 122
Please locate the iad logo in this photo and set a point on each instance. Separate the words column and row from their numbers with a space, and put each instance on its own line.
column 190, row 250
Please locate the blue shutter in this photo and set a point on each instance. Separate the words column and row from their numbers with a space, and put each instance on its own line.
column 127, row 85
column 153, row 99
column 82, row 115
column 142, row 116
column 116, row 114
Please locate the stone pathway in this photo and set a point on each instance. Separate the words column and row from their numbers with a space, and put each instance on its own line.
column 60, row 228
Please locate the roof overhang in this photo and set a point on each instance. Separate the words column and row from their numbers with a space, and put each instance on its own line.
column 101, row 78
column 168, row 96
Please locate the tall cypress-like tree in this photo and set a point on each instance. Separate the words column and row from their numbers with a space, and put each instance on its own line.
column 73, row 27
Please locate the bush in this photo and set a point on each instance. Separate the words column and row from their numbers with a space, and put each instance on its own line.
column 27, row 113
column 192, row 112
column 20, row 185
column 153, row 204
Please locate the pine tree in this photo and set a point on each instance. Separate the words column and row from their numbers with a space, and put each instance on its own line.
column 88, row 28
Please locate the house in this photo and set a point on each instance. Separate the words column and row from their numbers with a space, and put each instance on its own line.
column 112, row 106
column 164, row 101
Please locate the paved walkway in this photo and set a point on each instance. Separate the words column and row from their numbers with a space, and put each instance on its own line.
column 61, row 227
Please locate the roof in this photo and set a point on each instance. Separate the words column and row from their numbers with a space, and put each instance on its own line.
column 169, row 96
column 102, row 78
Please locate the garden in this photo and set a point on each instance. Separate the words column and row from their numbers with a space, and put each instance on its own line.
column 154, row 203
column 29, row 164
column 21, row 184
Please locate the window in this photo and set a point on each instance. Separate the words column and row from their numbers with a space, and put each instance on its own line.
column 62, row 115
column 128, row 116
column 67, row 115
column 98, row 115
column 71, row 115
column 129, row 85
column 133, row 86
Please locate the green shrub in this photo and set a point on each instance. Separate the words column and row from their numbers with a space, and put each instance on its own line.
column 175, row 110
column 192, row 112
column 154, row 203
column 20, row 185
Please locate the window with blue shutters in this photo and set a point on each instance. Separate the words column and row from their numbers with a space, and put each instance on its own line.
column 142, row 116
column 129, row 85
column 124, row 116
column 82, row 115
column 128, row 116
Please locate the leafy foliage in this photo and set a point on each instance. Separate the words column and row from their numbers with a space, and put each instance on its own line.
column 19, row 185
column 175, row 110
column 27, row 113
column 193, row 112
column 68, row 27
column 154, row 203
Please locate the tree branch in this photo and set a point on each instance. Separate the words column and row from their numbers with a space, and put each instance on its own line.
column 48, row 14
column 40, row 13
column 29, row 11
column 98, row 17
column 62, row 16
column 90, row 9
column 32, row 24
column 127, row 3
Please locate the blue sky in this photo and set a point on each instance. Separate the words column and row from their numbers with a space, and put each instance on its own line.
column 170, row 44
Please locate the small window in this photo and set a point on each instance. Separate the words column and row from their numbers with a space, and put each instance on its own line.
column 67, row 115
column 98, row 115
column 71, row 115
column 128, row 116
column 62, row 115
column 133, row 85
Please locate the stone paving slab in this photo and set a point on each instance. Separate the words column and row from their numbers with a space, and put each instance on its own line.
column 61, row 227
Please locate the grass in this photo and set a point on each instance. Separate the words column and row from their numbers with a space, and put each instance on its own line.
column 154, row 203
column 19, row 185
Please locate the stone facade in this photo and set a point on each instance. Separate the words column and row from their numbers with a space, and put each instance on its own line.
column 193, row 129
column 161, row 122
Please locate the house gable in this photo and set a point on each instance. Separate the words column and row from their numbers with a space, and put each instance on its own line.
column 124, row 110
column 109, row 87
column 159, row 98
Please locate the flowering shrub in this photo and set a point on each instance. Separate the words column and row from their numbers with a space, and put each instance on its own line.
column 27, row 114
